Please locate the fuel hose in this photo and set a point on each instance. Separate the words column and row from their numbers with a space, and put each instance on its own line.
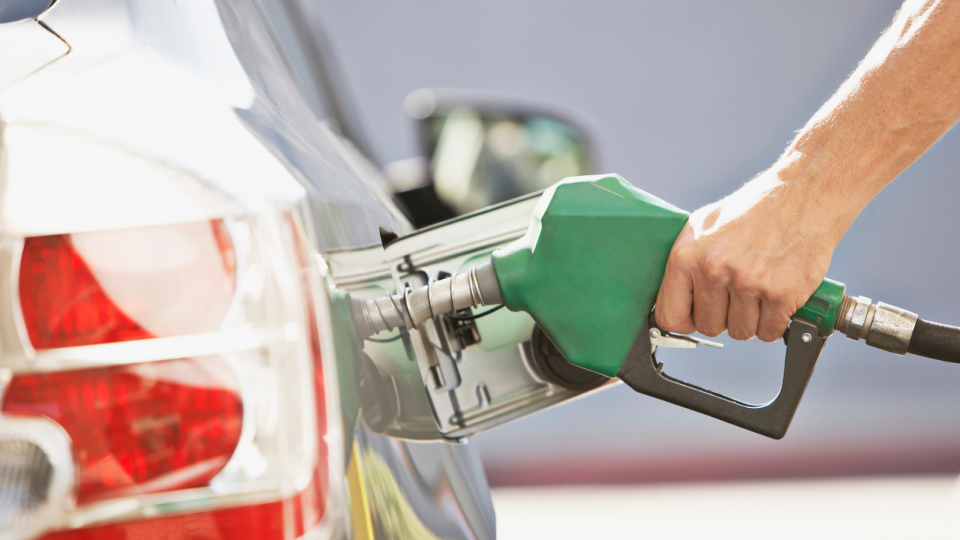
column 897, row 330
column 935, row 340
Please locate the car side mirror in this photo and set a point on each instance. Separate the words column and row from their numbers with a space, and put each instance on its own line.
column 481, row 150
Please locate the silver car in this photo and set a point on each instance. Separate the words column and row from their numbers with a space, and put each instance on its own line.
column 186, row 216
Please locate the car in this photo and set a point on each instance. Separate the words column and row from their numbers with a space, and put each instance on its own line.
column 187, row 216
column 191, row 208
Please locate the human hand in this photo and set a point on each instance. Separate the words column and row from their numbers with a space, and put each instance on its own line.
column 747, row 263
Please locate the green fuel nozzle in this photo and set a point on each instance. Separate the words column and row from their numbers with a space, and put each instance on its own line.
column 588, row 271
column 590, row 265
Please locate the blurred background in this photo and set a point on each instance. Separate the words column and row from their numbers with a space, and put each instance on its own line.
column 688, row 100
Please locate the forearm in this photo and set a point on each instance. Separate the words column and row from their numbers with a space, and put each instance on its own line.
column 748, row 262
column 901, row 99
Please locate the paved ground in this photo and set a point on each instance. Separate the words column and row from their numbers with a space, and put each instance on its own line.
column 926, row 507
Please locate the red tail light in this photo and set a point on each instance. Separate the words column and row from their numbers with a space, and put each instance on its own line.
column 179, row 365
column 141, row 428
column 64, row 305
column 111, row 286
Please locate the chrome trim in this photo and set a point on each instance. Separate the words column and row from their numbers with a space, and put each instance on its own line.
column 20, row 325
column 143, row 350
column 6, row 375
column 26, row 47
column 162, row 504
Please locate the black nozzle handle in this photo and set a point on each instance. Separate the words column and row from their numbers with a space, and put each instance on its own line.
column 642, row 372
column 935, row 340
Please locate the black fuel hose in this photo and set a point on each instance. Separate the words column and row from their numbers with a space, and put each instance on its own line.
column 935, row 340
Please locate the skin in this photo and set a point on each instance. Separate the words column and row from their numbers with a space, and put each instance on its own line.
column 745, row 264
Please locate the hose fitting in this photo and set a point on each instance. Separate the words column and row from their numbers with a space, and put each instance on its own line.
column 478, row 286
column 883, row 326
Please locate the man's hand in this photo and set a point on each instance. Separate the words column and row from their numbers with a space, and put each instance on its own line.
column 747, row 263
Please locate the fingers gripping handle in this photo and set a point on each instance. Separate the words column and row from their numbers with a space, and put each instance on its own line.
column 643, row 373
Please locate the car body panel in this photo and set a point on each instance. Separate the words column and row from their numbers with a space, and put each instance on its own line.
column 200, row 94
column 25, row 47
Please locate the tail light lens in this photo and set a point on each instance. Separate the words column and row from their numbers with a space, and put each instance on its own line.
column 110, row 286
column 141, row 428
column 180, row 364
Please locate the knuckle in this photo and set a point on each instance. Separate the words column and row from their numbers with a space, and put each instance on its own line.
column 740, row 326
column 710, row 330
column 682, row 256
column 777, row 296
column 746, row 282
column 740, row 333
column 769, row 336
column 673, row 325
column 670, row 320
column 664, row 321
column 716, row 270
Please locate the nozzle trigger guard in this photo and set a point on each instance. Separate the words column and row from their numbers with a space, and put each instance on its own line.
column 642, row 372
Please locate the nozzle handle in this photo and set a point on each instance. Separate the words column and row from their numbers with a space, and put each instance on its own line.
column 642, row 372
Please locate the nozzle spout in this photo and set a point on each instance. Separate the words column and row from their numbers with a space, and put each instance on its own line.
column 476, row 287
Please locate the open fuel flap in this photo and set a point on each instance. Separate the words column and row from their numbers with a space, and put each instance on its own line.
column 479, row 367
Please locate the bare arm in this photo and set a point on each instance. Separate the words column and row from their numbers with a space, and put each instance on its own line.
column 746, row 263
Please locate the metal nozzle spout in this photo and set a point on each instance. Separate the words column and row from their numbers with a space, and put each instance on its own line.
column 478, row 286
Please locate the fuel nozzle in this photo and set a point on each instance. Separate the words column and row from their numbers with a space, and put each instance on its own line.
column 476, row 287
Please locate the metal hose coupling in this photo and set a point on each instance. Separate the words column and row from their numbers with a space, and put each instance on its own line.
column 477, row 287
column 882, row 325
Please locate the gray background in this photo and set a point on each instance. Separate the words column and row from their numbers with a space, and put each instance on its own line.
column 688, row 100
